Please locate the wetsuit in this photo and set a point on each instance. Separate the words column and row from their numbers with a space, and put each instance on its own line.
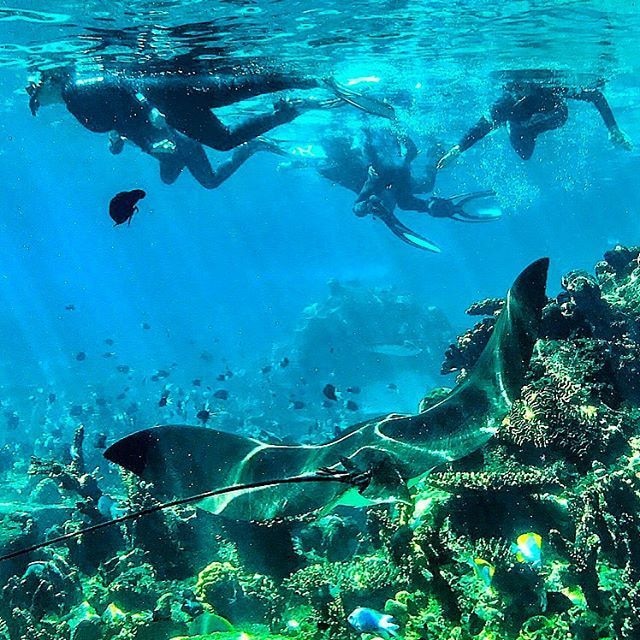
column 126, row 105
column 190, row 155
column 532, row 110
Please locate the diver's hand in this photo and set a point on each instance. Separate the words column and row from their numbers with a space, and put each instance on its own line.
column 449, row 158
column 620, row 138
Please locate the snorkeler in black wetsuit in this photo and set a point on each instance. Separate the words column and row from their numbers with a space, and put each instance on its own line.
column 127, row 104
column 378, row 169
column 529, row 109
column 175, row 152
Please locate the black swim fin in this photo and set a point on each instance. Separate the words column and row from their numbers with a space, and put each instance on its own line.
column 356, row 99
column 403, row 232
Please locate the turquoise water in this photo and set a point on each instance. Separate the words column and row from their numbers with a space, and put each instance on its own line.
column 207, row 283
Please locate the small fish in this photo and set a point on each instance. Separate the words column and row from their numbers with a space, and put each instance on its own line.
column 528, row 548
column 101, row 402
column 221, row 394
column 297, row 404
column 365, row 620
column 353, row 390
column 484, row 570
column 203, row 415
column 76, row 411
column 284, row 363
column 221, row 377
column 206, row 356
column 352, row 406
column 146, row 326
column 392, row 386
column 109, row 342
column 122, row 395
column 108, row 354
column 123, row 206
column 196, row 382
column 70, row 307
column 266, row 369
column 80, row 356
column 52, row 398
column 123, row 368
column 162, row 373
column 330, row 391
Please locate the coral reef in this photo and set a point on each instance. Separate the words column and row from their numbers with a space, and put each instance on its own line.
column 534, row 537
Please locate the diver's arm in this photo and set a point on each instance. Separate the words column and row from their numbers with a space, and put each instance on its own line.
column 500, row 113
column 597, row 99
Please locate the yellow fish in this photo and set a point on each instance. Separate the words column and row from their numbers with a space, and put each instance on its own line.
column 528, row 548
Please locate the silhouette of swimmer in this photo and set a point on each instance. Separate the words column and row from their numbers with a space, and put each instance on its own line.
column 131, row 105
column 529, row 109
column 377, row 166
column 123, row 206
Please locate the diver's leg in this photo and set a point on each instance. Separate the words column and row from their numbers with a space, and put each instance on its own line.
column 170, row 168
column 204, row 127
column 200, row 168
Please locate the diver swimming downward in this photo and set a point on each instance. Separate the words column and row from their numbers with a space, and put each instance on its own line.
column 225, row 472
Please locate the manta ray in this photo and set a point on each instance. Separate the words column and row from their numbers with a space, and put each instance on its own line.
column 392, row 451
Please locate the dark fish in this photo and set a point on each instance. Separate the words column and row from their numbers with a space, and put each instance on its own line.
column 327, row 404
column 122, row 395
column 101, row 402
column 330, row 391
column 70, row 307
column 123, row 368
column 108, row 342
column 162, row 373
column 206, row 356
column 203, row 415
column 123, row 205
column 80, row 356
column 221, row 394
column 108, row 354
column 297, row 404
column 197, row 382
column 76, row 411
column 284, row 363
column 353, row 389
column 154, row 378
column 352, row 406
column 392, row 386
column 13, row 420
column 100, row 441
column 146, row 326
column 132, row 408
column 52, row 398
column 221, row 377
column 266, row 369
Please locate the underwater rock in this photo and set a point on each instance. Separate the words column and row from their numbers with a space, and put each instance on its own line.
column 46, row 492
column 333, row 538
column 45, row 587
column 354, row 335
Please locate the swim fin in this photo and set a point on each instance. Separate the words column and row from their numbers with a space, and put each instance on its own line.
column 403, row 232
column 356, row 99
column 473, row 207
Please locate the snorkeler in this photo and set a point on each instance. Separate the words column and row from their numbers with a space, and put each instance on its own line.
column 176, row 152
column 528, row 109
column 377, row 166
column 129, row 105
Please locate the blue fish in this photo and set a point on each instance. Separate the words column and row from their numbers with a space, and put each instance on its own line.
column 365, row 620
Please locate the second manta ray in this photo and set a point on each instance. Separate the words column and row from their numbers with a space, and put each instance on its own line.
column 391, row 450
